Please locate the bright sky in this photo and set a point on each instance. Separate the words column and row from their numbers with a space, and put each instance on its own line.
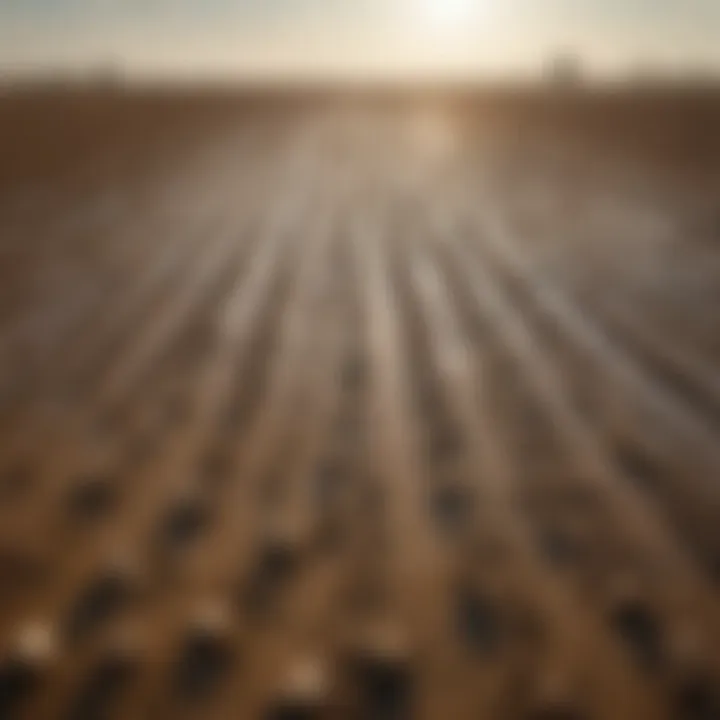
column 361, row 37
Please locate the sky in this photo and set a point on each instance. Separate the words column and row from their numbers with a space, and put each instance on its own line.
column 356, row 37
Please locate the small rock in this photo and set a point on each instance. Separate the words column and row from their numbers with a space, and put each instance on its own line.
column 24, row 664
column 304, row 693
column 207, row 651
column 381, row 667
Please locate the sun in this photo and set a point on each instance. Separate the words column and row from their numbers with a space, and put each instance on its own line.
column 448, row 14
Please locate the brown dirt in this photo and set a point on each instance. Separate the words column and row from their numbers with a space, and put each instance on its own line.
column 359, row 406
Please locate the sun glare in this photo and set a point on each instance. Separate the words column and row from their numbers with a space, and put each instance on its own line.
column 448, row 14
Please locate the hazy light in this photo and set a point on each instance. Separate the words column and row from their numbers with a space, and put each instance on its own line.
column 451, row 15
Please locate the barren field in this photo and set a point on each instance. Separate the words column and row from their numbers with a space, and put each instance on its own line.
column 359, row 406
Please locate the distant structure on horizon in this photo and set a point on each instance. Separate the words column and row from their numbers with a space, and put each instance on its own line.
column 565, row 71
